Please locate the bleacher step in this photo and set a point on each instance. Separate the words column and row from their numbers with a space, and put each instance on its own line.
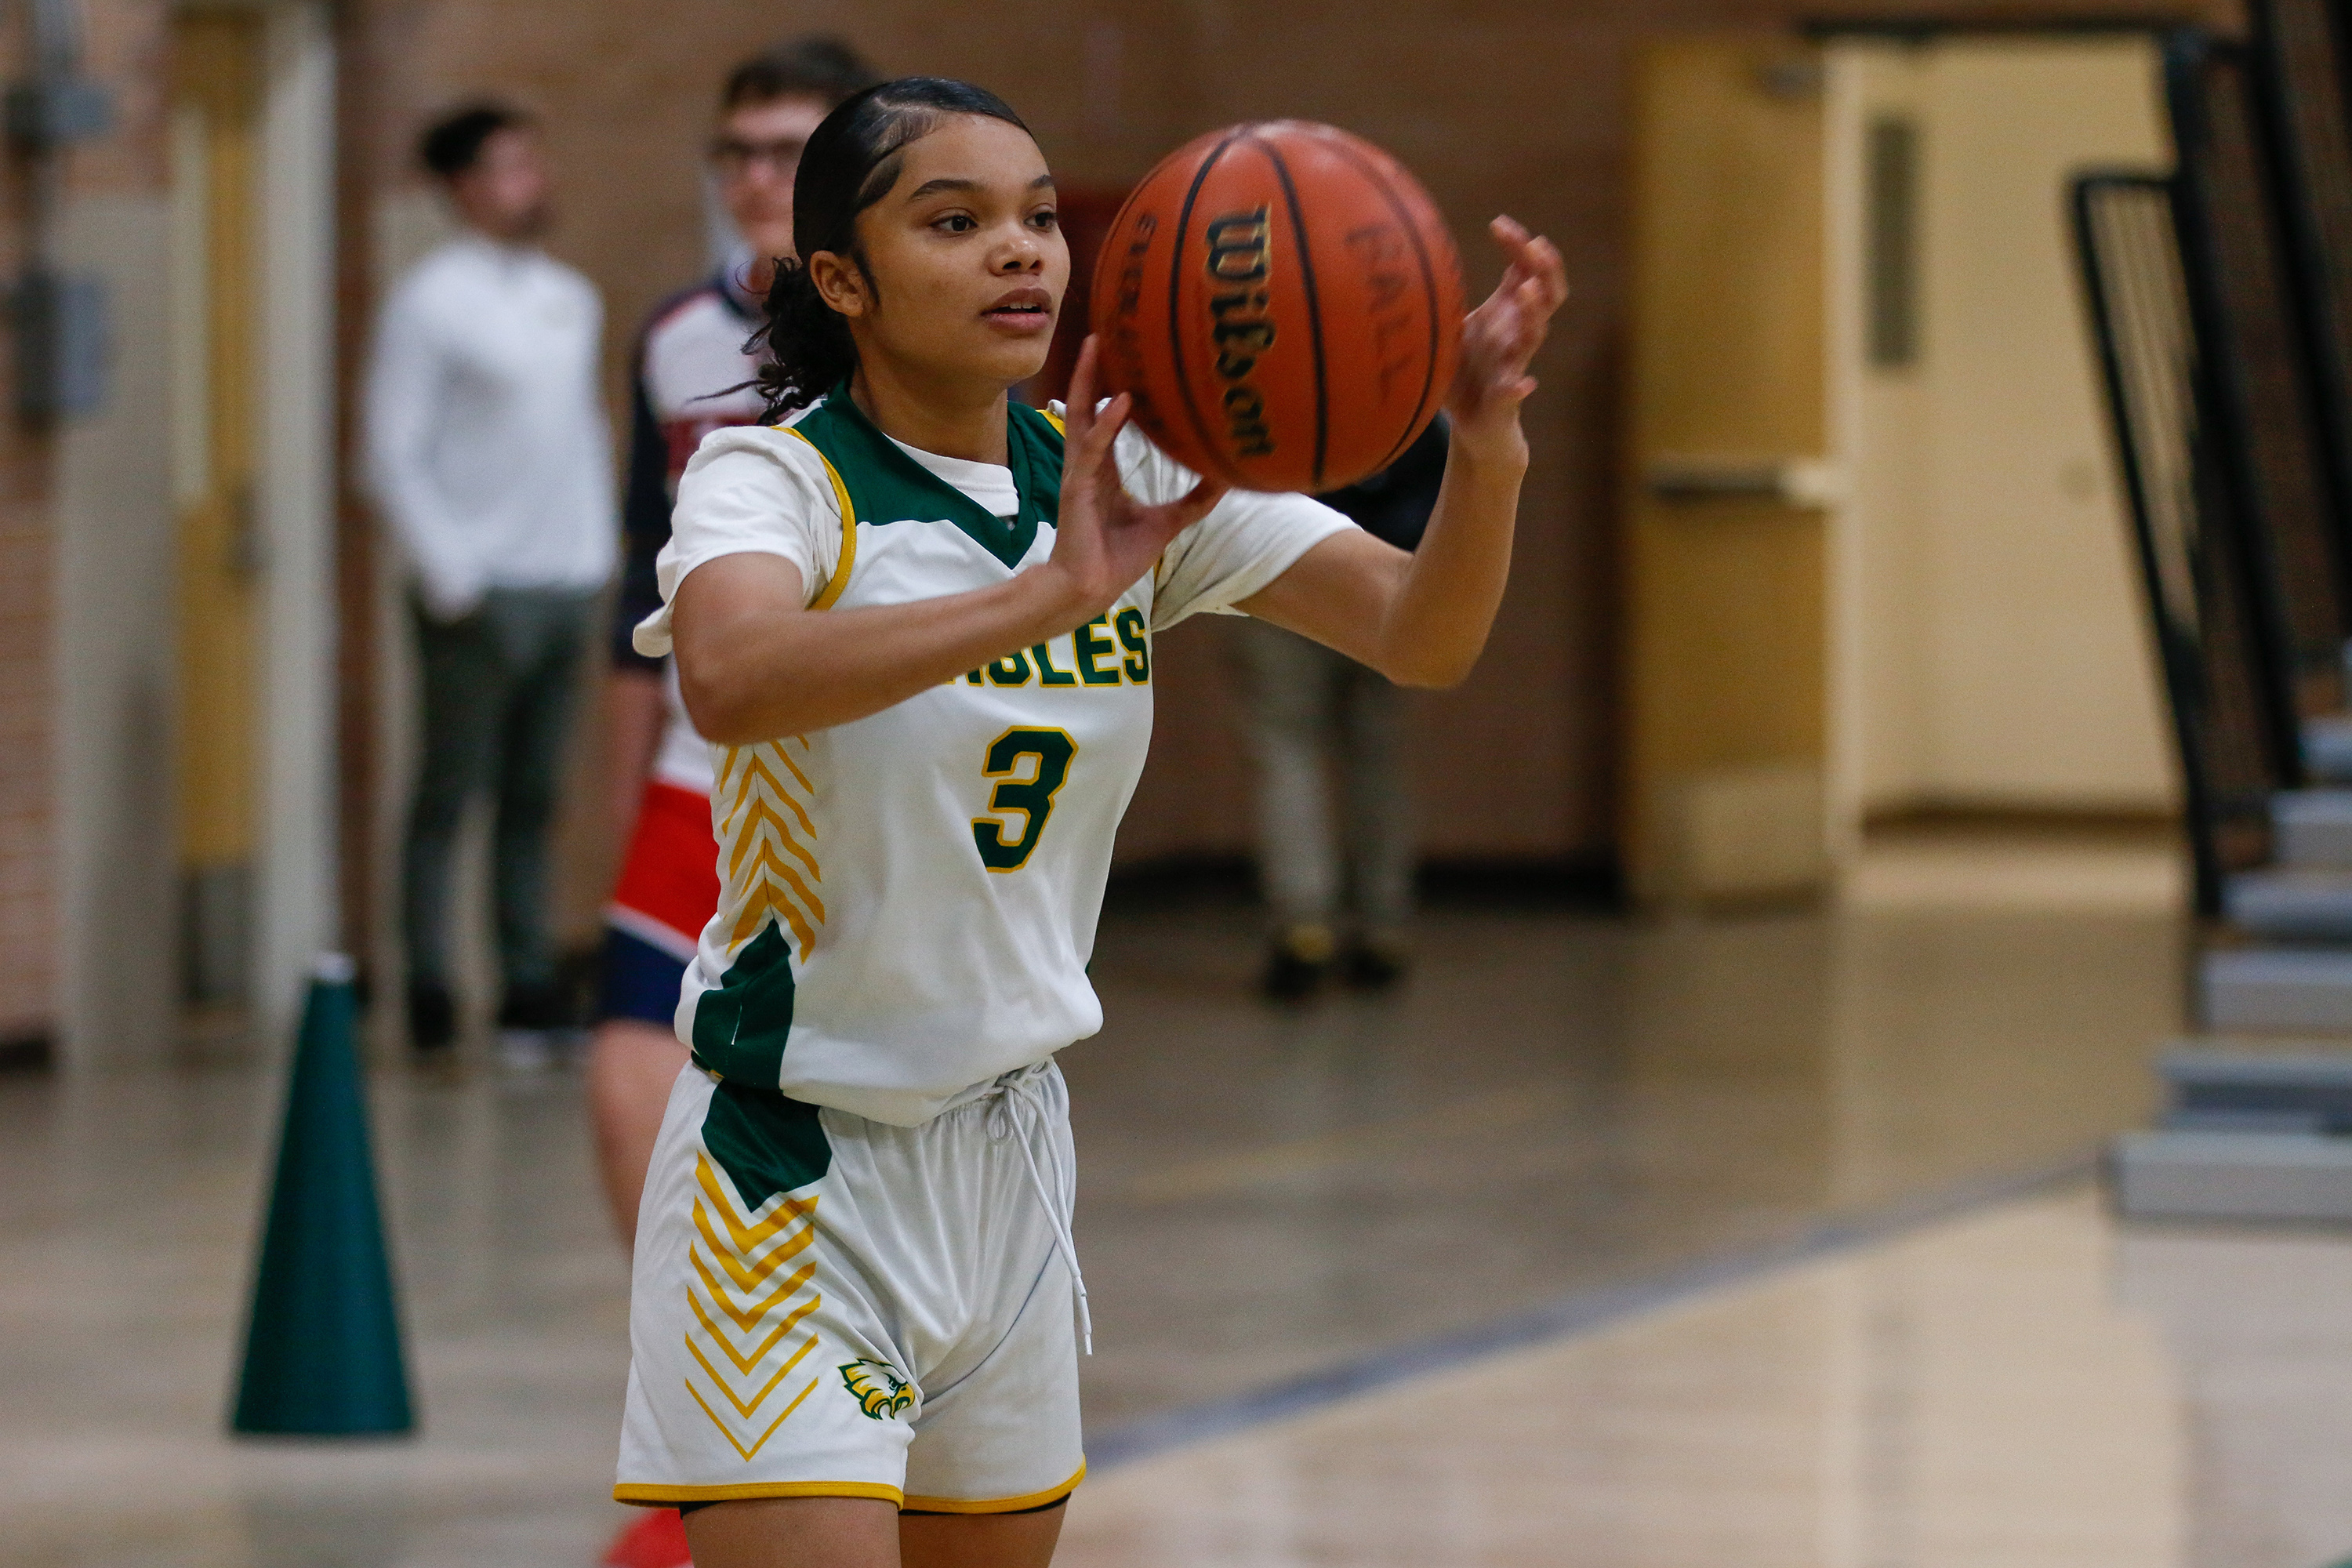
column 2312, row 827
column 2276, row 991
column 2294, row 1088
column 2291, row 904
column 2327, row 748
column 2222, row 1175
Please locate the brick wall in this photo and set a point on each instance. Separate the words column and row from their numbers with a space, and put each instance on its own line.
column 27, row 886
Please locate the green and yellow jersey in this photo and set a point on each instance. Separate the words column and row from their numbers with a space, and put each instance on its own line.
column 908, row 901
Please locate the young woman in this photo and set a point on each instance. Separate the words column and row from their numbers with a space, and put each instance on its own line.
column 916, row 621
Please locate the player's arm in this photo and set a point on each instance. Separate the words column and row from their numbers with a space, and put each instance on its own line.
column 753, row 664
column 1422, row 619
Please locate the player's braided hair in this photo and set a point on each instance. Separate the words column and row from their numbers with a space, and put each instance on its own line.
column 850, row 163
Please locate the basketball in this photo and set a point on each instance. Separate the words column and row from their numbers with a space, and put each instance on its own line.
column 1283, row 304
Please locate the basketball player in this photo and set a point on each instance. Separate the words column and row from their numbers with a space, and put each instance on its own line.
column 692, row 377
column 853, row 1279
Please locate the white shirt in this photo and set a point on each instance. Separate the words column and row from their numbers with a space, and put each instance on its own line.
column 487, row 445
column 692, row 353
column 907, row 901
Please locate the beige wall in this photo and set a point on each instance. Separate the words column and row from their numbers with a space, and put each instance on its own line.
column 1996, row 654
column 111, row 925
column 84, row 562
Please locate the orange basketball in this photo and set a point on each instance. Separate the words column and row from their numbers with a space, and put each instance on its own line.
column 1283, row 302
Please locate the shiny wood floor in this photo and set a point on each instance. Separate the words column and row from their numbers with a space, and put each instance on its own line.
column 2024, row 1389
column 1558, row 1107
column 1558, row 1103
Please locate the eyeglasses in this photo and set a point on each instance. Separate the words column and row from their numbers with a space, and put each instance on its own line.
column 733, row 158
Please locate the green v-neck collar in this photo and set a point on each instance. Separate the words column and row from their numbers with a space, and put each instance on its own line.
column 887, row 486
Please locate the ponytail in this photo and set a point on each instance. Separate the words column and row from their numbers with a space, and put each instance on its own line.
column 803, row 347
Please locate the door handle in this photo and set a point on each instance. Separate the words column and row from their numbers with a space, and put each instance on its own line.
column 1791, row 481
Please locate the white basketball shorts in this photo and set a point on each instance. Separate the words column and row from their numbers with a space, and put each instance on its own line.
column 824, row 1306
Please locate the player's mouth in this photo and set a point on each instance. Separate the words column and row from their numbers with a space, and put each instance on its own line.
column 1021, row 312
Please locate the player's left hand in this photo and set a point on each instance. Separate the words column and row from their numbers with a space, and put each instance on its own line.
column 1105, row 539
column 1500, row 337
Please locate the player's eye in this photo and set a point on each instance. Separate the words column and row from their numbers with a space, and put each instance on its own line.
column 956, row 223
column 1046, row 219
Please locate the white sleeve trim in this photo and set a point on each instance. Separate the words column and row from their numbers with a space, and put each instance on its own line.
column 747, row 491
column 1249, row 538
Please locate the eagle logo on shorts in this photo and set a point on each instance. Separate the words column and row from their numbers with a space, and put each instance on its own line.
column 880, row 1391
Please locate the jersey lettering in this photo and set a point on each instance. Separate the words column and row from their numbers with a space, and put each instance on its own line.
column 1109, row 651
column 1026, row 789
column 1136, row 638
column 1090, row 644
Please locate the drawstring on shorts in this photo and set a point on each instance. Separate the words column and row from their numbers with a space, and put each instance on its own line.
column 1026, row 1089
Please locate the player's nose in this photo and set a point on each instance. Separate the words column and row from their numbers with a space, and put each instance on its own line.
column 1025, row 255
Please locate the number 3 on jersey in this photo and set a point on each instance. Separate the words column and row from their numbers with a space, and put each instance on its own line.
column 1030, row 765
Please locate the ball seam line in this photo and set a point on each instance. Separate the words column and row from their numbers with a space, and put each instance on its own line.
column 1175, row 290
column 1314, row 308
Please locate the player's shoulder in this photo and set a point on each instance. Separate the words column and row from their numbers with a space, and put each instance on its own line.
column 741, row 452
column 691, row 358
column 778, row 442
column 698, row 305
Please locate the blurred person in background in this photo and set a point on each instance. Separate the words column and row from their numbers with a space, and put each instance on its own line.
column 488, row 453
column 692, row 377
column 1339, row 900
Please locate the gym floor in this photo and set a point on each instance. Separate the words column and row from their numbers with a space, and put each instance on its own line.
column 1767, row 1238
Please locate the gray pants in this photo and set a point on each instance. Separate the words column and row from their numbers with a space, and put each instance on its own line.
column 497, row 691
column 1306, row 702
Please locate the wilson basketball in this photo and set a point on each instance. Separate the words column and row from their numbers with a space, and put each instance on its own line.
column 1283, row 304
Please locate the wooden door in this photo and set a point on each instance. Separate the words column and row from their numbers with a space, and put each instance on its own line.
column 217, row 93
column 1725, row 638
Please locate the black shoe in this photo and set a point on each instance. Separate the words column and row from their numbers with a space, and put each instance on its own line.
column 432, row 1019
column 1372, row 966
column 1296, row 963
column 540, row 1027
column 536, row 1006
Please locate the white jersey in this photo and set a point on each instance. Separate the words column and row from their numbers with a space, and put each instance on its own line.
column 691, row 378
column 908, row 901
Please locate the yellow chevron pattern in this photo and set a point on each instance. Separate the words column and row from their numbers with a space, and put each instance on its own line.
column 768, row 864
column 743, row 1311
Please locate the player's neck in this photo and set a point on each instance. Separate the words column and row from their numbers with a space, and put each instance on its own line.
column 952, row 419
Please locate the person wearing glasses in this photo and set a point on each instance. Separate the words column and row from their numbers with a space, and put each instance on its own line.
column 693, row 375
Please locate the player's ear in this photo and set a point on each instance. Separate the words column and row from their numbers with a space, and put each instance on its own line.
column 840, row 283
